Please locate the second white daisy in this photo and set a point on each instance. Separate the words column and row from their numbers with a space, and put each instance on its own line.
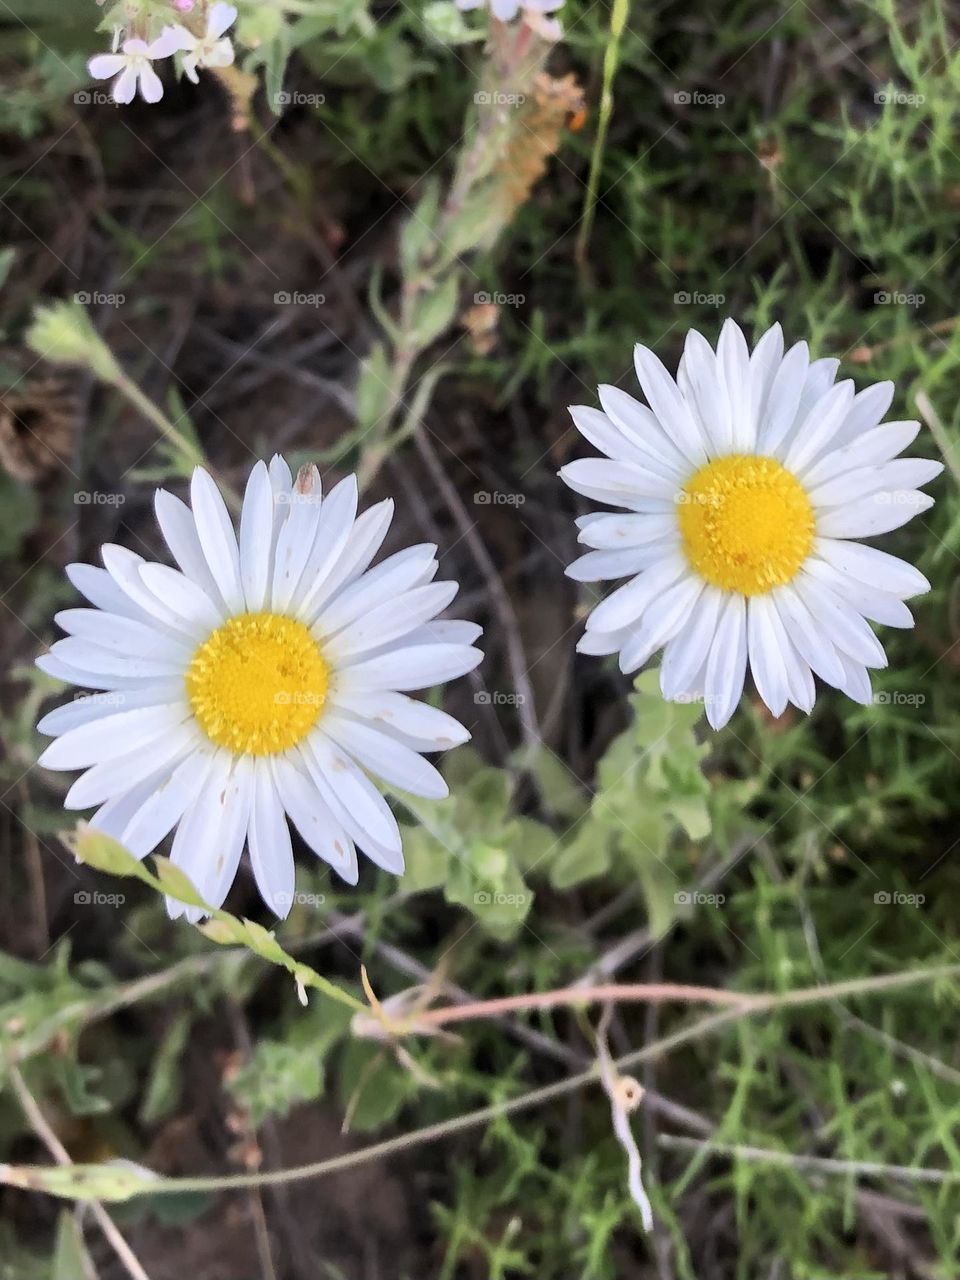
column 260, row 681
column 744, row 481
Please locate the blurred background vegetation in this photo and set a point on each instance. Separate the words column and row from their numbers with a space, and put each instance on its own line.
column 314, row 267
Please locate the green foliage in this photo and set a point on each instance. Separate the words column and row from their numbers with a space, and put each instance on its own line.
column 823, row 192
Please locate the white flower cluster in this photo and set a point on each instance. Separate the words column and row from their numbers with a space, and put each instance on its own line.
column 131, row 67
column 534, row 13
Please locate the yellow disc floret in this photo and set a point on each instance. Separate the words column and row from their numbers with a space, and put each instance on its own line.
column 258, row 684
column 746, row 523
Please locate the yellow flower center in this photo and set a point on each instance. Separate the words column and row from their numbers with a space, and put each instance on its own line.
column 258, row 684
column 746, row 523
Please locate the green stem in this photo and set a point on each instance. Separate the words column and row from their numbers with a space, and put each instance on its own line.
column 611, row 58
column 33, row 1177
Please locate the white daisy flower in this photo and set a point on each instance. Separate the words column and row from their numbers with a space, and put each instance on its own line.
column 132, row 68
column 210, row 49
column 260, row 681
column 744, row 481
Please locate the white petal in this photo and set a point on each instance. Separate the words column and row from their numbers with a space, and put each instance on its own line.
column 120, row 734
column 102, row 592
column 671, row 409
column 125, row 85
column 268, row 839
column 764, row 362
column 364, row 539
column 390, row 621
column 113, row 816
column 784, row 400
column 807, row 636
column 878, row 606
column 220, row 18
column 628, row 602
column 180, row 534
column 600, row 643
column 876, row 568
column 256, row 537
column 842, row 624
column 86, row 656
column 444, row 631
column 117, row 776
column 60, row 670
column 902, row 474
column 313, row 819
column 205, row 846
column 296, row 538
column 868, row 408
column 596, row 566
column 168, row 801
column 878, row 513
column 106, row 65
column 196, row 613
column 96, row 706
column 610, row 532
column 629, row 484
column 662, row 623
column 819, row 428
column 876, row 446
column 331, row 545
column 686, row 654
column 727, row 662
column 412, row 667
column 124, row 568
column 170, row 40
column 704, row 389
column 856, row 681
column 398, row 766
column 764, row 641
column 639, row 424
column 733, row 363
column 151, row 86
column 218, row 542
column 399, row 572
column 355, row 802
column 619, row 445
column 125, row 636
column 420, row 725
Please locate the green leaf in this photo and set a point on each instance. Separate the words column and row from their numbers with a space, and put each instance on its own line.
column 434, row 311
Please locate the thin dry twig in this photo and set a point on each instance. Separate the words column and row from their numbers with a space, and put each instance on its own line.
column 45, row 1133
